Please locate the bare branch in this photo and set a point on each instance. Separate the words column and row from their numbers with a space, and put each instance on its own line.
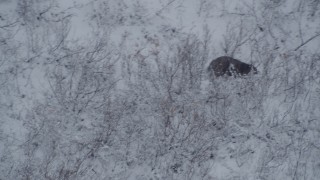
column 310, row 39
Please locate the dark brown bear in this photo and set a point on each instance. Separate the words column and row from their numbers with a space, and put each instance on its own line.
column 226, row 65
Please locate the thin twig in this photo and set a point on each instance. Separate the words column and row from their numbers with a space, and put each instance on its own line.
column 167, row 5
column 8, row 25
column 313, row 37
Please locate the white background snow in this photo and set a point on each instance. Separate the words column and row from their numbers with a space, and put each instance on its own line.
column 119, row 89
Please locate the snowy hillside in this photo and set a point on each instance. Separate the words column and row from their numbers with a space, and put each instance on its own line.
column 119, row 89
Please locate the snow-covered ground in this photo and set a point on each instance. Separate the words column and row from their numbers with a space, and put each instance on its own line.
column 119, row 89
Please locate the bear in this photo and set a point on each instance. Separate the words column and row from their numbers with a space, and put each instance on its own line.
column 228, row 66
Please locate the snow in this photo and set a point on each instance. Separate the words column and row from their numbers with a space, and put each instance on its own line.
column 119, row 89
